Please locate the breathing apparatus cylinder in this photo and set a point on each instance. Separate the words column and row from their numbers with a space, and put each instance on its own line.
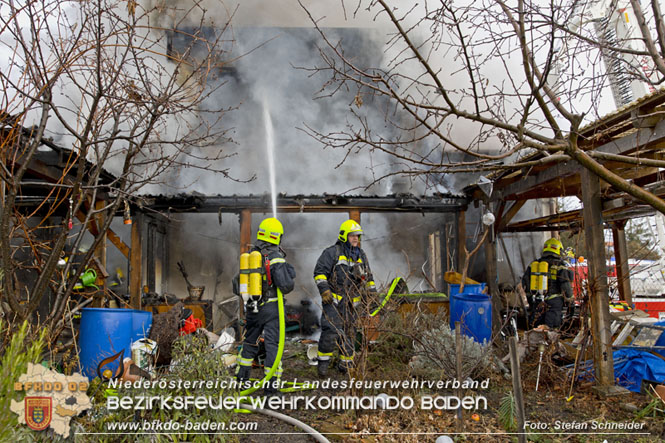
column 533, row 283
column 543, row 271
column 243, row 278
column 255, row 278
column 539, row 276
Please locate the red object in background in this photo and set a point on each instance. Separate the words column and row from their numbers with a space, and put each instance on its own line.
column 191, row 325
column 581, row 273
column 653, row 306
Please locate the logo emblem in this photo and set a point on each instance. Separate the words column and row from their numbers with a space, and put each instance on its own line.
column 38, row 412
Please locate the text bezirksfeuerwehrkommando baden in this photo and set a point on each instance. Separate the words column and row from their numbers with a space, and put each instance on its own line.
column 344, row 402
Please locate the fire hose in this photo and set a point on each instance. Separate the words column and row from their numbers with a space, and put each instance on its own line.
column 316, row 435
column 278, row 359
column 394, row 284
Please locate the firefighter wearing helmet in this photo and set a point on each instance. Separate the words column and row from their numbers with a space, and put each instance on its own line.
column 262, row 313
column 548, row 281
column 343, row 277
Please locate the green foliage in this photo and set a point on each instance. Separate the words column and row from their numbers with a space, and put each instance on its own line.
column 192, row 360
column 508, row 413
column 655, row 408
column 14, row 363
column 392, row 351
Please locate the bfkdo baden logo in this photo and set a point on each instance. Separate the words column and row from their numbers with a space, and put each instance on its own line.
column 38, row 412
column 51, row 399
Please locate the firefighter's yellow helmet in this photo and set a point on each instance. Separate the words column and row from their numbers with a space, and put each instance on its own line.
column 270, row 230
column 553, row 245
column 349, row 227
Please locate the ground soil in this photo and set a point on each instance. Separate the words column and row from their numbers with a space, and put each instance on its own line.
column 549, row 408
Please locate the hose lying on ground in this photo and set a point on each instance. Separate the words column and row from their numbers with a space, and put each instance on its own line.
column 316, row 435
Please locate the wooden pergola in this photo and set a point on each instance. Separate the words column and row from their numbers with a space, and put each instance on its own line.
column 636, row 131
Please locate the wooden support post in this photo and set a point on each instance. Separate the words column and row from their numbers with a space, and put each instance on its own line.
column 621, row 254
column 598, row 290
column 245, row 230
column 354, row 214
column 517, row 389
column 435, row 264
column 245, row 244
column 461, row 239
column 458, row 368
column 493, row 279
column 135, row 260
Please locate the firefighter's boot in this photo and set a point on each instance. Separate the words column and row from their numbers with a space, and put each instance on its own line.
column 243, row 373
column 322, row 367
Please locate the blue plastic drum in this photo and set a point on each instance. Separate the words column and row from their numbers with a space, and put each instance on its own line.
column 105, row 332
column 473, row 310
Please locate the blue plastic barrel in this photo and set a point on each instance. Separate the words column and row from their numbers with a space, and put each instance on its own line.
column 468, row 289
column 473, row 310
column 105, row 332
column 141, row 323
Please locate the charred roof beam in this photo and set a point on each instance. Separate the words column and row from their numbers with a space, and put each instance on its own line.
column 326, row 203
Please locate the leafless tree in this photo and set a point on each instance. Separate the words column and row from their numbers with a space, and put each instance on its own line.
column 469, row 86
column 101, row 78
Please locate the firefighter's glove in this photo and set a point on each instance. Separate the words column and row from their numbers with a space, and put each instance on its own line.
column 326, row 297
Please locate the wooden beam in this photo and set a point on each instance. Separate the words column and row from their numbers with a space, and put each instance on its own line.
column 245, row 230
column 117, row 242
column 245, row 245
column 621, row 255
column 517, row 389
column 135, row 260
column 493, row 280
column 598, row 289
column 435, row 263
column 514, row 209
column 111, row 235
column 639, row 139
column 354, row 214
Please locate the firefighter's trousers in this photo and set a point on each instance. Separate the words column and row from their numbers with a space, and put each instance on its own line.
column 265, row 321
column 338, row 332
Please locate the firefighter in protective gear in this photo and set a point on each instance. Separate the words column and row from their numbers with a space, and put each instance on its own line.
column 547, row 298
column 276, row 273
column 343, row 277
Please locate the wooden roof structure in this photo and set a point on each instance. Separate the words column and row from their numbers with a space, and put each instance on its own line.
column 636, row 130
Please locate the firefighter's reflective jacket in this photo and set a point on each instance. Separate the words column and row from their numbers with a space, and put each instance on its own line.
column 280, row 274
column 558, row 277
column 345, row 277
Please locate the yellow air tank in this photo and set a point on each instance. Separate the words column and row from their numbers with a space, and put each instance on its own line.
column 543, row 271
column 243, row 278
column 533, row 282
column 255, row 262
